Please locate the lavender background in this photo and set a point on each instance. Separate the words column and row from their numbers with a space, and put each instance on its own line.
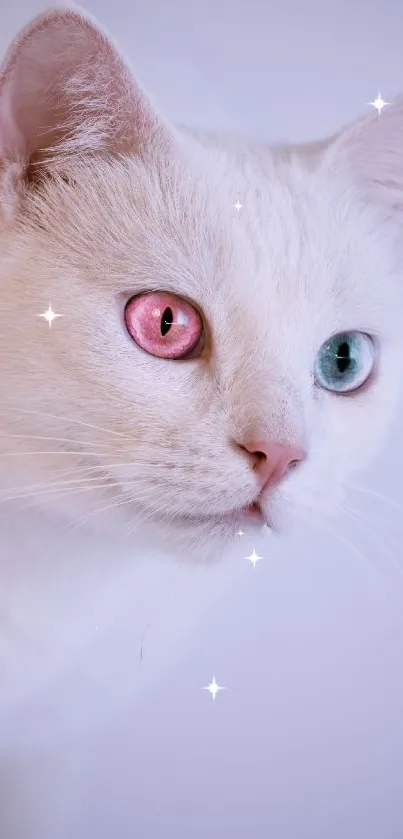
column 307, row 740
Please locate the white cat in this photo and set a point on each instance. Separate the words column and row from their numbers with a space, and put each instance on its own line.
column 201, row 351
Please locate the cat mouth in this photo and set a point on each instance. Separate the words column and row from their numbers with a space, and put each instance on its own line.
column 252, row 513
column 249, row 514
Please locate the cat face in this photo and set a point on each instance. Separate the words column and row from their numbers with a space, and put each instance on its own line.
column 193, row 333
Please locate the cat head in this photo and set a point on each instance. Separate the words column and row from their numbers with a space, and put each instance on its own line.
column 202, row 348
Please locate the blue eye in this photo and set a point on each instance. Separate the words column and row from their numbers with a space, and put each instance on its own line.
column 345, row 362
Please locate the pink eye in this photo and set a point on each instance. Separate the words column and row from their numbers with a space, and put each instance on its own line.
column 163, row 325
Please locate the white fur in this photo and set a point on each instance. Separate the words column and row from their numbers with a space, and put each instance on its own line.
column 110, row 202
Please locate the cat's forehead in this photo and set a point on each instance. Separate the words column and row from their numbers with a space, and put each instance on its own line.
column 281, row 230
column 236, row 228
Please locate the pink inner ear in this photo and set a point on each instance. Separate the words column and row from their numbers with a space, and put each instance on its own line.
column 64, row 88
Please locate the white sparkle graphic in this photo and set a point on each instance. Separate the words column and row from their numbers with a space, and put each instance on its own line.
column 213, row 688
column 240, row 533
column 254, row 558
column 378, row 103
column 50, row 316
column 238, row 206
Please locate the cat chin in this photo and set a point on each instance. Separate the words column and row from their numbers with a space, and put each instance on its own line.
column 201, row 539
column 183, row 537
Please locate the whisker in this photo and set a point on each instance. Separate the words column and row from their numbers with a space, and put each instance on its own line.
column 380, row 539
column 169, row 458
column 55, row 491
column 72, row 526
column 366, row 561
column 142, row 515
column 57, row 483
column 63, row 492
column 379, row 495
column 49, row 452
column 75, row 421
column 326, row 527
column 50, row 438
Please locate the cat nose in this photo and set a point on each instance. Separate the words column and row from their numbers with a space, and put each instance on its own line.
column 272, row 461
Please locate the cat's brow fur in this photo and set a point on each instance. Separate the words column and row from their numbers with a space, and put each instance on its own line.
column 103, row 447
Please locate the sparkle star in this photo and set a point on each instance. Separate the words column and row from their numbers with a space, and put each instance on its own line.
column 240, row 533
column 238, row 206
column 50, row 316
column 213, row 688
column 378, row 103
column 254, row 558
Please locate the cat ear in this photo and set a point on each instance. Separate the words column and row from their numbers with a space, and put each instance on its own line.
column 65, row 90
column 370, row 151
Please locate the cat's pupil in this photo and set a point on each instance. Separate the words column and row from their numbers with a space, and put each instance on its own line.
column 343, row 357
column 166, row 321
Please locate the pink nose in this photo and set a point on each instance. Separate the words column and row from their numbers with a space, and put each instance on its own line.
column 272, row 461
